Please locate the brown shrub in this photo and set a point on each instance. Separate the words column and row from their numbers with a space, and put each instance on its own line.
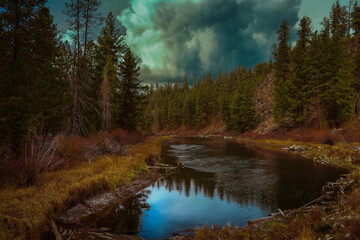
column 303, row 135
column 315, row 216
column 125, row 137
column 306, row 234
column 39, row 155
column 354, row 229
column 297, row 225
column 354, row 200
column 70, row 147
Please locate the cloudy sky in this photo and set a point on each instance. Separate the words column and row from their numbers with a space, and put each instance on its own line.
column 174, row 37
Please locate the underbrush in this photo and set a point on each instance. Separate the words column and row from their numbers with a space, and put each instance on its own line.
column 47, row 153
column 25, row 211
column 303, row 135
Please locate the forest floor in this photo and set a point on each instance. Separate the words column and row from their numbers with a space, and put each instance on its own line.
column 28, row 211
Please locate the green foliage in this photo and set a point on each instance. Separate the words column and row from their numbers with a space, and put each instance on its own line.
column 283, row 82
column 33, row 83
column 129, row 107
column 318, row 74
column 242, row 110
column 229, row 98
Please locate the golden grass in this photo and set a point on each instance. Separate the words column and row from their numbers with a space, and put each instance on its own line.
column 340, row 154
column 150, row 149
column 24, row 212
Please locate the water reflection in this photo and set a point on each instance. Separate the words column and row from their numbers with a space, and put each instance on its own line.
column 222, row 182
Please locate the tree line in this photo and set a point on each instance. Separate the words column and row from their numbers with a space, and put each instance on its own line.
column 78, row 86
column 319, row 75
column 229, row 97
column 92, row 83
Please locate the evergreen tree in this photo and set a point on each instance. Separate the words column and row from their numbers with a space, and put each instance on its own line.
column 32, row 85
column 107, row 93
column 297, row 88
column 338, row 21
column 129, row 108
column 344, row 91
column 281, row 54
column 355, row 18
column 242, row 109
column 108, row 51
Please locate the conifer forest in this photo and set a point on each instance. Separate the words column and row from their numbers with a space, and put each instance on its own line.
column 85, row 111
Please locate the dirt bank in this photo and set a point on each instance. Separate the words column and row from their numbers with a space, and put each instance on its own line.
column 70, row 221
column 96, row 204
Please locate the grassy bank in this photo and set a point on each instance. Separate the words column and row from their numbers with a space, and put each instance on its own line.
column 25, row 212
column 339, row 154
column 337, row 216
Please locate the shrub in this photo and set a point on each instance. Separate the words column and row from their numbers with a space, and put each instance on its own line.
column 354, row 200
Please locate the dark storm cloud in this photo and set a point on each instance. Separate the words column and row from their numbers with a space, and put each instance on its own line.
column 197, row 36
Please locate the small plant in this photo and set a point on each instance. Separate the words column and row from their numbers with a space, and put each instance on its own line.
column 306, row 234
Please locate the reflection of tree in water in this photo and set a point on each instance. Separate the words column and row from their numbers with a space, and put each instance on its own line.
column 126, row 217
column 188, row 178
column 243, row 174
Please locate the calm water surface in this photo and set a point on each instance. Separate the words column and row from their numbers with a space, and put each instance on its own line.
column 222, row 182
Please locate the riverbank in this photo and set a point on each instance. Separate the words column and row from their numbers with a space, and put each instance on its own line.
column 27, row 212
column 335, row 215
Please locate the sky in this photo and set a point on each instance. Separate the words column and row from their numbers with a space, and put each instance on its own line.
column 177, row 37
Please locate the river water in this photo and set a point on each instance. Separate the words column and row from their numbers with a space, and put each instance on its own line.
column 223, row 182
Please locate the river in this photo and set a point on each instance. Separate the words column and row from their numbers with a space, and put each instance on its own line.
column 223, row 182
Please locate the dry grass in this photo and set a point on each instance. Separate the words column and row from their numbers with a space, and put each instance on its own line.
column 302, row 135
column 354, row 228
column 228, row 233
column 124, row 137
column 341, row 154
column 48, row 153
column 150, row 150
column 24, row 212
column 354, row 200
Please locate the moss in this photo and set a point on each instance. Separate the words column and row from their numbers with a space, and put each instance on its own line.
column 24, row 212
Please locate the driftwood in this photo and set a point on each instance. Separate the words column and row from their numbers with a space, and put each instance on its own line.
column 159, row 167
column 313, row 201
column 55, row 230
column 281, row 212
column 258, row 220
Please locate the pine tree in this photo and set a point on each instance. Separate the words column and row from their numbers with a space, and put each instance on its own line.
column 281, row 54
column 316, row 87
column 338, row 21
column 108, row 51
column 242, row 106
column 344, row 91
column 107, row 94
column 32, row 85
column 355, row 18
column 296, row 98
column 130, row 92
column 48, row 82
column 199, row 119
